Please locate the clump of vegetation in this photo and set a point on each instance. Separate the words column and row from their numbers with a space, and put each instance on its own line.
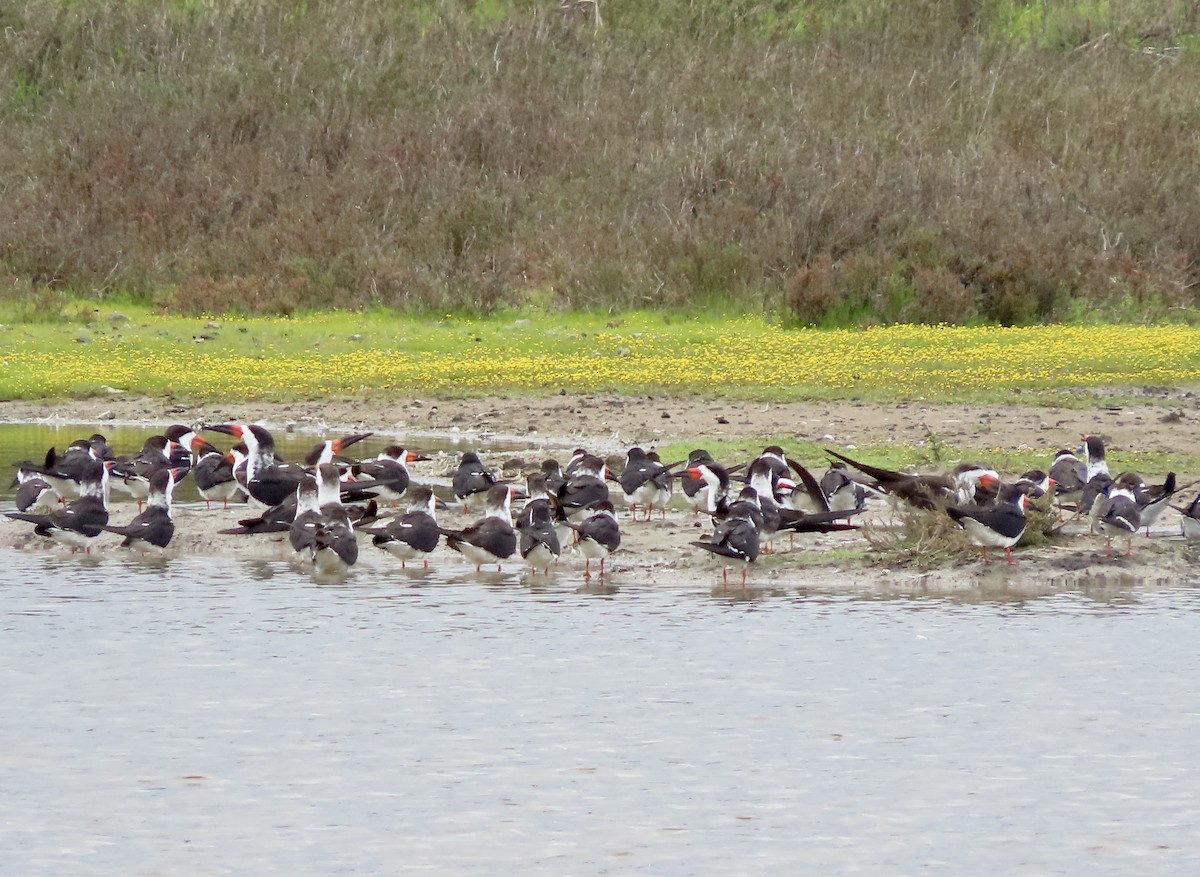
column 920, row 538
column 833, row 162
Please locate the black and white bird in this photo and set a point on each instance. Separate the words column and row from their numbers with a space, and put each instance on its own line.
column 552, row 471
column 696, row 489
column 413, row 534
column 387, row 475
column 1152, row 499
column 999, row 524
column 645, row 482
column 924, row 491
column 737, row 537
column 584, row 488
column 1117, row 512
column 843, row 493
column 322, row 528
column 539, row 544
column 712, row 485
column 212, row 470
column 1069, row 474
column 1189, row 517
column 599, row 535
column 1097, row 480
column 152, row 528
column 83, row 519
column 132, row 474
column 491, row 539
column 35, row 495
column 266, row 481
column 471, row 477
column 64, row 472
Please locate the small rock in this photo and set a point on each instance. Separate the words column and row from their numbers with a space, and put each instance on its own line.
column 623, row 351
column 666, row 416
column 356, row 337
column 106, row 415
column 722, row 419
column 1172, row 417
column 212, row 324
column 117, row 317
column 82, row 339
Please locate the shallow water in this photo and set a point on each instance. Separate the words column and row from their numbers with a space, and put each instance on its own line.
column 29, row 441
column 220, row 717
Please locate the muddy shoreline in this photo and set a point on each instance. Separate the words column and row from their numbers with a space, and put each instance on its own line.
column 657, row 553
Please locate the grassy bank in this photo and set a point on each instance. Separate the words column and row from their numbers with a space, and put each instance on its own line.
column 382, row 353
column 836, row 163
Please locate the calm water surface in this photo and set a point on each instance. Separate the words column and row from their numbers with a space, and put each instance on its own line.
column 29, row 441
column 209, row 717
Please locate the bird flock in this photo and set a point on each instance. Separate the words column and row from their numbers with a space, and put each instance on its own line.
column 329, row 503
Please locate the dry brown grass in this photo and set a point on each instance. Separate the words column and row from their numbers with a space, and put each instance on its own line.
column 275, row 156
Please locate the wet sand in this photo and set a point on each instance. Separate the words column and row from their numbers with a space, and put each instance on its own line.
column 658, row 552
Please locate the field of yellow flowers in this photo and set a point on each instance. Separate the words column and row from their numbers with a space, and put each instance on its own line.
column 638, row 353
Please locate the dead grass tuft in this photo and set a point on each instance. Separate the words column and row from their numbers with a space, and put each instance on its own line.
column 921, row 538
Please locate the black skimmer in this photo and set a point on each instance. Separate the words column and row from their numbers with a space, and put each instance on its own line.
column 81, row 520
column 776, row 460
column 999, row 524
column 584, row 488
column 1069, row 474
column 1152, row 499
column 645, row 482
column 762, row 474
column 151, row 530
column 322, row 528
column 132, row 474
column 212, row 471
column 413, row 534
column 1117, row 512
column 539, row 544
column 576, row 458
column 664, row 483
column 388, row 474
column 599, row 535
column 712, row 480
column 1095, row 459
column 64, row 471
column 471, row 477
column 553, row 473
column 492, row 538
column 35, row 495
column 695, row 488
column 975, row 483
column 1036, row 483
column 1097, row 480
column 1095, row 489
column 842, row 492
column 803, row 493
column 922, row 491
column 1190, row 519
column 330, row 450
column 539, row 491
column 737, row 537
column 268, row 482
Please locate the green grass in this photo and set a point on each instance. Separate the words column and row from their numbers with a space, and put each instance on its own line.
column 386, row 354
